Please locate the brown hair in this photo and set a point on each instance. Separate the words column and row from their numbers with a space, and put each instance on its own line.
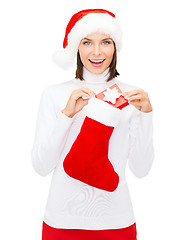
column 113, row 71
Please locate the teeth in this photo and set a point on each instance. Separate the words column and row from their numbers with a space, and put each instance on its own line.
column 96, row 61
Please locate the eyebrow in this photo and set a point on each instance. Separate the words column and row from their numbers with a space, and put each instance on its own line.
column 102, row 39
column 107, row 39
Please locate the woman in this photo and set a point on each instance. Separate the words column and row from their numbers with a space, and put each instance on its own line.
column 88, row 142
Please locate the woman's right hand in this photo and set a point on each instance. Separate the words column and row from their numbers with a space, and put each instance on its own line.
column 76, row 102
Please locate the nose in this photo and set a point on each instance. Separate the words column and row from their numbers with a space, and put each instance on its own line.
column 97, row 50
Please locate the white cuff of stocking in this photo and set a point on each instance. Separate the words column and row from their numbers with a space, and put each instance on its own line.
column 103, row 112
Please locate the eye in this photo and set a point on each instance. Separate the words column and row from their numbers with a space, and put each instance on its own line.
column 87, row 43
column 106, row 42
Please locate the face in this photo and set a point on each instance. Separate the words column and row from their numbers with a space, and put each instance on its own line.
column 96, row 52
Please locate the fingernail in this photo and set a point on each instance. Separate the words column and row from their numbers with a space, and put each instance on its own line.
column 84, row 97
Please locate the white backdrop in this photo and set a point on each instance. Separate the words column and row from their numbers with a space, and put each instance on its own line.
column 154, row 57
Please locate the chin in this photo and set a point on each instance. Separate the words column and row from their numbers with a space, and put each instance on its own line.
column 97, row 70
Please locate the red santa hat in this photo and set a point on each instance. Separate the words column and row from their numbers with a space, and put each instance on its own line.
column 81, row 25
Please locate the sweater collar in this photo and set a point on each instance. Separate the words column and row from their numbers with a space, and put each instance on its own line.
column 95, row 78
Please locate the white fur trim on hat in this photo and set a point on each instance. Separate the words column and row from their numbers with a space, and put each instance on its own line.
column 63, row 58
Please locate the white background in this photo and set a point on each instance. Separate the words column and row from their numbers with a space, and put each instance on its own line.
column 154, row 57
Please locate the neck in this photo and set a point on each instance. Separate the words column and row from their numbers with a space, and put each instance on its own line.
column 95, row 78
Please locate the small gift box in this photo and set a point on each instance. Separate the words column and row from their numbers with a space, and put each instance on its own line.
column 112, row 95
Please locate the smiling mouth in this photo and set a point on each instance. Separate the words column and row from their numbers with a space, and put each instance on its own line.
column 97, row 61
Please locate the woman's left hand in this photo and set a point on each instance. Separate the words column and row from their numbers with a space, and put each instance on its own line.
column 139, row 98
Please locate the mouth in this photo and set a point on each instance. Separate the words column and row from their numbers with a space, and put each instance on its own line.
column 96, row 62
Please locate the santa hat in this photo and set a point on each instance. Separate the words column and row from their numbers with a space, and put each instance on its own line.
column 82, row 24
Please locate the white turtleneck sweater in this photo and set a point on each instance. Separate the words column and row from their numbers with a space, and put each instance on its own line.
column 71, row 203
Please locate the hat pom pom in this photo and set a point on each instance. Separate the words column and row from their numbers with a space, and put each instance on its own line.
column 63, row 59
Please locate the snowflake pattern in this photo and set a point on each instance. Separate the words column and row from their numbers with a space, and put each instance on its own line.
column 111, row 95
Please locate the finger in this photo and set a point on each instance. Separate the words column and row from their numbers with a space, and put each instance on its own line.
column 83, row 89
column 131, row 93
column 87, row 90
column 90, row 94
column 138, row 97
column 81, row 94
column 137, row 105
column 86, row 97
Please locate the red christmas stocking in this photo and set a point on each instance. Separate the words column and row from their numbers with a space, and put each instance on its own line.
column 87, row 160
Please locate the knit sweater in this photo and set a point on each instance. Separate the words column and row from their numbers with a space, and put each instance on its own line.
column 73, row 204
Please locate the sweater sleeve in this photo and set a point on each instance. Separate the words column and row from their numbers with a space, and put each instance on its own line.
column 51, row 131
column 141, row 152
